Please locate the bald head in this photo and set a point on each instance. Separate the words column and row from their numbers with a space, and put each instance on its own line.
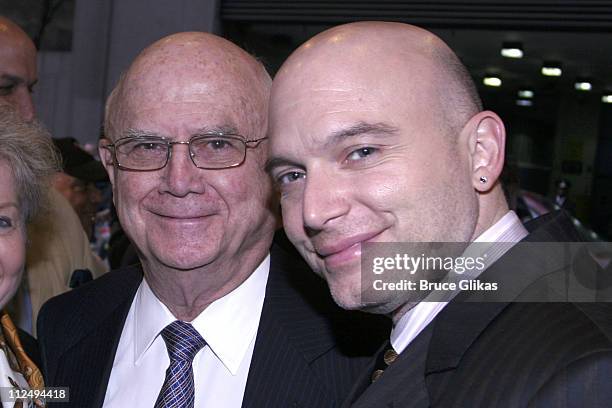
column 17, row 69
column 185, row 67
column 391, row 58
column 190, row 116
column 377, row 135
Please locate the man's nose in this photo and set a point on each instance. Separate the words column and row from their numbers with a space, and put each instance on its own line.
column 181, row 176
column 324, row 200
column 25, row 105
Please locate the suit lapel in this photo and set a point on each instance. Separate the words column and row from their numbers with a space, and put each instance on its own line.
column 417, row 378
column 290, row 336
column 462, row 321
column 92, row 342
column 403, row 382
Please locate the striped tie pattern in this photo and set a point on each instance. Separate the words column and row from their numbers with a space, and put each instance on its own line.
column 183, row 343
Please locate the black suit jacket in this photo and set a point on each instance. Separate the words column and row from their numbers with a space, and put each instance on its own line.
column 509, row 354
column 308, row 352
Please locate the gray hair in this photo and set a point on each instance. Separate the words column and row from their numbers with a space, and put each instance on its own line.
column 28, row 151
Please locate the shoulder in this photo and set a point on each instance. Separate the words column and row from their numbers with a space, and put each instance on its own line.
column 89, row 300
column 541, row 342
column 556, row 226
column 297, row 294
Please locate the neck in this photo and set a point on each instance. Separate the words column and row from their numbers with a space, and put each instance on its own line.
column 187, row 293
column 398, row 313
column 492, row 207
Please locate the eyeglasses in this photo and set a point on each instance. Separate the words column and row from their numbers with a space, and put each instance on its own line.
column 208, row 151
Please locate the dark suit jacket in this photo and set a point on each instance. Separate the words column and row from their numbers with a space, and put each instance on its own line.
column 509, row 354
column 308, row 352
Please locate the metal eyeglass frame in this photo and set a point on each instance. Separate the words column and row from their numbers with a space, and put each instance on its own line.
column 247, row 143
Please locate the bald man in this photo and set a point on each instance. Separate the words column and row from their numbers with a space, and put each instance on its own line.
column 17, row 68
column 185, row 152
column 57, row 245
column 378, row 135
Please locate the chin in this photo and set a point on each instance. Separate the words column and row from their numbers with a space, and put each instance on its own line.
column 185, row 258
column 346, row 294
column 182, row 261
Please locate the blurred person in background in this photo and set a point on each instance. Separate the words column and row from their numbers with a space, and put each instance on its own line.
column 18, row 73
column 561, row 199
column 27, row 163
column 58, row 244
column 77, row 181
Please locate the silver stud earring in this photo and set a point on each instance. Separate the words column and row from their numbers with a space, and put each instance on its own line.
column 483, row 179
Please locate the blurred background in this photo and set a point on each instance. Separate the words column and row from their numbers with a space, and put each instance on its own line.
column 544, row 66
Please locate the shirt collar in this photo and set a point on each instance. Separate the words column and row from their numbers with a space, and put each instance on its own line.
column 507, row 229
column 228, row 324
column 501, row 236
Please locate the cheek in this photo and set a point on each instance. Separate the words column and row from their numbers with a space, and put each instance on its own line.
column 248, row 189
column 12, row 255
column 130, row 188
column 293, row 221
column 382, row 191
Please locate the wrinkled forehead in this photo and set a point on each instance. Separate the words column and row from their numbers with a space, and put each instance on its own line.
column 222, row 90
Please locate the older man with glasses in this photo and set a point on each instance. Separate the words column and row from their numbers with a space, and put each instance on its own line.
column 213, row 317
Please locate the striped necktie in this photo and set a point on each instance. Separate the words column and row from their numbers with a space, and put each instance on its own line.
column 183, row 343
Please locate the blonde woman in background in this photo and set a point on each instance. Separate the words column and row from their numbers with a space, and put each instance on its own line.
column 27, row 162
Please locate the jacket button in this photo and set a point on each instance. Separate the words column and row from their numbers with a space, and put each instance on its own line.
column 376, row 375
column 390, row 356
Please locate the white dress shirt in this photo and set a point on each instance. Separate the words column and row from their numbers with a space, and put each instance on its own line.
column 229, row 327
column 503, row 235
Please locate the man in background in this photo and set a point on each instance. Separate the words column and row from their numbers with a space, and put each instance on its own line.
column 57, row 243
column 77, row 181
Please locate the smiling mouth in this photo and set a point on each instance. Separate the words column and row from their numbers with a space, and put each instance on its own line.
column 346, row 250
column 182, row 217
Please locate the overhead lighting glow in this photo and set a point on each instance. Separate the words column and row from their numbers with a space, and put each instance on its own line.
column 512, row 50
column 607, row 98
column 583, row 86
column 524, row 102
column 492, row 81
column 525, row 94
column 551, row 69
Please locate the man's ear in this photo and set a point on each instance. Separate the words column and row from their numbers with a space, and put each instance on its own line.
column 106, row 156
column 487, row 141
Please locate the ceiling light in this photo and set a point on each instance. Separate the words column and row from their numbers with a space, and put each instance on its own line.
column 607, row 98
column 512, row 50
column 525, row 94
column 490, row 80
column 524, row 102
column 583, row 85
column 551, row 69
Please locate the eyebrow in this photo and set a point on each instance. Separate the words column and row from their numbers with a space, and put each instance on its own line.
column 337, row 137
column 17, row 79
column 12, row 78
column 226, row 129
column 359, row 129
column 9, row 204
column 274, row 162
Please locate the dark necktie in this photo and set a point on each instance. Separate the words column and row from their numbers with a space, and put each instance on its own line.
column 183, row 343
